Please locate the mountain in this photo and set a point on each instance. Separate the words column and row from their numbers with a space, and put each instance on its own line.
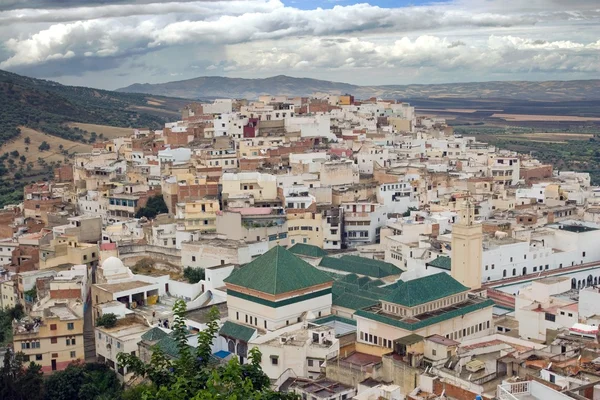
column 218, row 86
column 47, row 106
column 209, row 87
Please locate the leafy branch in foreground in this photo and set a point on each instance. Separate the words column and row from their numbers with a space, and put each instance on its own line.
column 195, row 375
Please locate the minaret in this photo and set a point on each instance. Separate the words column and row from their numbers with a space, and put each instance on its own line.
column 467, row 248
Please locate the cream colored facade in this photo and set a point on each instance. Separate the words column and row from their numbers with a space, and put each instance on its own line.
column 56, row 341
column 8, row 297
column 305, row 227
column 339, row 173
column 67, row 250
column 198, row 215
column 253, row 184
column 467, row 248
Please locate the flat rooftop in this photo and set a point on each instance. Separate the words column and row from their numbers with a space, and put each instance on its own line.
column 122, row 286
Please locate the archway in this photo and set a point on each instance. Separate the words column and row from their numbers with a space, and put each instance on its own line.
column 524, row 270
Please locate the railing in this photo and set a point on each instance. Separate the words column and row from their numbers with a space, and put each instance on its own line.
column 507, row 391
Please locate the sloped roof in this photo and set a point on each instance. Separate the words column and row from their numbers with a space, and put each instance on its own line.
column 426, row 289
column 168, row 345
column 307, row 250
column 154, row 334
column 353, row 302
column 413, row 326
column 237, row 331
column 278, row 271
column 361, row 266
column 441, row 262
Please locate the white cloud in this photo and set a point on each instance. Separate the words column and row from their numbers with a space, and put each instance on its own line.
column 459, row 37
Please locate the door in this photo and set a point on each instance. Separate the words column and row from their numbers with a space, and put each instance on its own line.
column 53, row 365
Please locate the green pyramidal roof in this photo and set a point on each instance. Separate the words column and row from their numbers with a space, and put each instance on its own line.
column 278, row 271
column 426, row 289
column 308, row 250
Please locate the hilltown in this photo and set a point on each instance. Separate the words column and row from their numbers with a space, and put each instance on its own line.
column 366, row 251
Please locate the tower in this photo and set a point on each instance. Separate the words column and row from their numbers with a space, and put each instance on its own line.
column 467, row 248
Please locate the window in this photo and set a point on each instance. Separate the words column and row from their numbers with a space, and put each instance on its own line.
column 274, row 360
column 550, row 317
column 38, row 357
column 70, row 326
column 570, row 314
column 53, row 340
column 310, row 363
column 52, row 327
column 73, row 354
column 193, row 258
column 434, row 352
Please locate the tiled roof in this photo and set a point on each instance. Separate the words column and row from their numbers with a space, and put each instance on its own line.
column 278, row 271
column 441, row 262
column 425, row 289
column 237, row 331
column 301, row 249
column 154, row 334
column 354, row 302
column 168, row 345
column 361, row 266
column 426, row 322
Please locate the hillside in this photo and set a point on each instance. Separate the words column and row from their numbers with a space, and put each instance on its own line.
column 65, row 119
column 47, row 106
column 215, row 86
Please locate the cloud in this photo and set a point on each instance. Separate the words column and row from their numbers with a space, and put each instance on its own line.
column 460, row 37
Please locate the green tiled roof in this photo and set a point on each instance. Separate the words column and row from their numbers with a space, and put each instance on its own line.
column 354, row 302
column 441, row 262
column 237, row 331
column 332, row 317
column 168, row 345
column 308, row 250
column 361, row 266
column 278, row 271
column 154, row 334
column 426, row 289
column 429, row 321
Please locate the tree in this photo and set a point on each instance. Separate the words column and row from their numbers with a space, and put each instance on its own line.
column 80, row 381
column 60, row 147
column 18, row 382
column 193, row 375
column 193, row 275
column 44, row 146
column 108, row 320
column 408, row 211
column 27, row 140
column 155, row 205
column 23, row 159
column 26, row 149
column 14, row 153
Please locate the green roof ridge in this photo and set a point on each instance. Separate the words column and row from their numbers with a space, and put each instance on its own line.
column 429, row 321
column 237, row 331
column 308, row 250
column 423, row 290
column 278, row 271
column 154, row 334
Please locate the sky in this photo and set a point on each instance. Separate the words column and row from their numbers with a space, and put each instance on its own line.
column 114, row 43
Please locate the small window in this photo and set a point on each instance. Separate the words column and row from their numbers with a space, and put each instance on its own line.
column 53, row 340
column 38, row 357
column 434, row 352
column 570, row 314
column 193, row 258
column 310, row 363
column 70, row 326
column 73, row 354
column 52, row 327
column 274, row 360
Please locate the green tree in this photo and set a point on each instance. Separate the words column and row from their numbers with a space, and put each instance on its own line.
column 80, row 381
column 193, row 375
column 18, row 382
column 27, row 140
column 155, row 205
column 193, row 275
column 44, row 146
column 108, row 320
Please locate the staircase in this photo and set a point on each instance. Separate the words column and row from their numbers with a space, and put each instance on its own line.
column 89, row 338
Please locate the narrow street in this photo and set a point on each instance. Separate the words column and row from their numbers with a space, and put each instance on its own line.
column 89, row 340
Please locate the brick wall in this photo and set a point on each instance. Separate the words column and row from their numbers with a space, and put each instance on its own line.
column 65, row 294
column 63, row 173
